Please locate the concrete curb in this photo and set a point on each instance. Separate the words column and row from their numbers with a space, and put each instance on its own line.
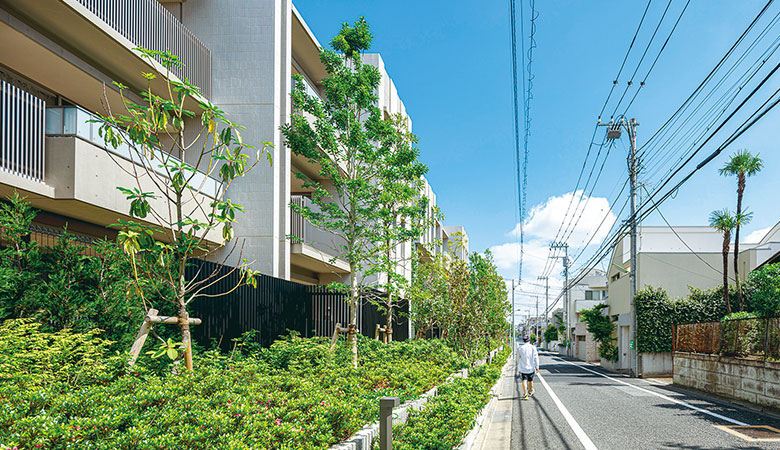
column 364, row 438
column 468, row 441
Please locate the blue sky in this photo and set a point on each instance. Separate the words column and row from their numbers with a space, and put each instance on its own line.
column 450, row 61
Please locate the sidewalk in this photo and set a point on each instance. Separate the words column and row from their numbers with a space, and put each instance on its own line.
column 496, row 431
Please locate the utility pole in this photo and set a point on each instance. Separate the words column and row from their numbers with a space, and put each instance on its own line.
column 565, row 258
column 538, row 337
column 546, row 300
column 514, row 328
column 613, row 132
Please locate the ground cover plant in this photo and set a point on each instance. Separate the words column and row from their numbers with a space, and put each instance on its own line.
column 444, row 421
column 66, row 390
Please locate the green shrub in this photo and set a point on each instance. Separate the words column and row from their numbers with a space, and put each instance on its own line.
column 739, row 315
column 63, row 390
column 444, row 420
column 63, row 288
column 550, row 334
column 764, row 287
column 657, row 314
column 608, row 351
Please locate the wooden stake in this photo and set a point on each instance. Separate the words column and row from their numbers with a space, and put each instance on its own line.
column 140, row 338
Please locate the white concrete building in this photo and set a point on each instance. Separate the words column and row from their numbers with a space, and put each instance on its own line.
column 590, row 291
column 56, row 56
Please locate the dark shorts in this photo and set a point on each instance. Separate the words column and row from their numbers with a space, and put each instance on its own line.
column 528, row 376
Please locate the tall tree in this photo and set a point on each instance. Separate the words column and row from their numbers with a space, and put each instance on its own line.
column 742, row 165
column 180, row 210
column 725, row 222
column 402, row 212
column 345, row 139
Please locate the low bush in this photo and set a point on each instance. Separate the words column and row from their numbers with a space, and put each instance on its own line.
column 443, row 422
column 763, row 286
column 66, row 390
column 608, row 351
column 657, row 314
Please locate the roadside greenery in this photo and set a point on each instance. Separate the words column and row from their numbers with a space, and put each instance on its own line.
column 62, row 287
column 550, row 334
column 444, row 421
column 467, row 301
column 601, row 327
column 763, row 291
column 657, row 314
column 67, row 390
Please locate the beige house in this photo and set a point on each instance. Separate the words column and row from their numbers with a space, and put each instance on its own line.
column 590, row 291
column 672, row 259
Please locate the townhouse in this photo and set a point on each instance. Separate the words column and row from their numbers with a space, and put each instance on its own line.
column 58, row 57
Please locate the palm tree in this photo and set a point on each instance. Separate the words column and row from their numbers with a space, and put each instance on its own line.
column 724, row 222
column 742, row 164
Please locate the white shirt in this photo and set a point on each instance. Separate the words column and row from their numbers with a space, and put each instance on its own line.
column 528, row 358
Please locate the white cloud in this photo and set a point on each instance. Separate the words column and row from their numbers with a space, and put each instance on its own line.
column 756, row 236
column 593, row 217
column 586, row 216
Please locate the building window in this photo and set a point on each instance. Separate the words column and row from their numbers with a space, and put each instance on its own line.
column 589, row 295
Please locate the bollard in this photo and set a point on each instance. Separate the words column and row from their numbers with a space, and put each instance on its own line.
column 386, row 405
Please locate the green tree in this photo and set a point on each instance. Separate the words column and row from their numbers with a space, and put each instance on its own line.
column 428, row 293
column 550, row 334
column 345, row 139
column 488, row 296
column 402, row 211
column 602, row 328
column 742, row 165
column 764, row 285
column 176, row 218
column 725, row 222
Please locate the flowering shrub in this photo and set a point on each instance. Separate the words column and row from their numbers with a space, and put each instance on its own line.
column 444, row 421
column 63, row 390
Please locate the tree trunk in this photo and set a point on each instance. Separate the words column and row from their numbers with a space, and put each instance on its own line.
column 186, row 337
column 354, row 302
column 726, row 239
column 389, row 319
column 740, row 192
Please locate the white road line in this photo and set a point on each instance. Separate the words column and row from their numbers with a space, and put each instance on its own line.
column 584, row 439
column 665, row 397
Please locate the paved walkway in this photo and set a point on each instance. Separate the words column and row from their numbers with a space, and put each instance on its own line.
column 581, row 406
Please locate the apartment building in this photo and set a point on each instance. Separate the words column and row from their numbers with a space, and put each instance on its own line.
column 56, row 59
column 58, row 56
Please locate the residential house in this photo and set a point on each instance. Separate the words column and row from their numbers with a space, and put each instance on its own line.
column 588, row 292
column 673, row 259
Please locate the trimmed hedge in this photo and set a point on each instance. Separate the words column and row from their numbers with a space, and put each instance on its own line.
column 443, row 422
column 656, row 314
column 64, row 390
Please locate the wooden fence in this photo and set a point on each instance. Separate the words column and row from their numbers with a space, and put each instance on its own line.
column 741, row 337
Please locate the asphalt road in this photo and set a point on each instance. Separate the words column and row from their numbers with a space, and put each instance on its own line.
column 618, row 412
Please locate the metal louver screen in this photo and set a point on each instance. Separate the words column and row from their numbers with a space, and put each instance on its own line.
column 22, row 132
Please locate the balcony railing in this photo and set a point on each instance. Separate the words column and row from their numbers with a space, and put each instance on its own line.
column 74, row 121
column 22, row 121
column 146, row 23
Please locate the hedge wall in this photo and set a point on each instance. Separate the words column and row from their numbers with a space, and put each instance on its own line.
column 656, row 314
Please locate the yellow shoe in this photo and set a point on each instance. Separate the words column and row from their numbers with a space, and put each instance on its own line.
column 531, row 392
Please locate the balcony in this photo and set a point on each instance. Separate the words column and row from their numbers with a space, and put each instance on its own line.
column 76, row 47
column 314, row 249
column 22, row 121
column 74, row 121
column 146, row 23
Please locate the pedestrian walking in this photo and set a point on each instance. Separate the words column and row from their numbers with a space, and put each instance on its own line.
column 528, row 365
